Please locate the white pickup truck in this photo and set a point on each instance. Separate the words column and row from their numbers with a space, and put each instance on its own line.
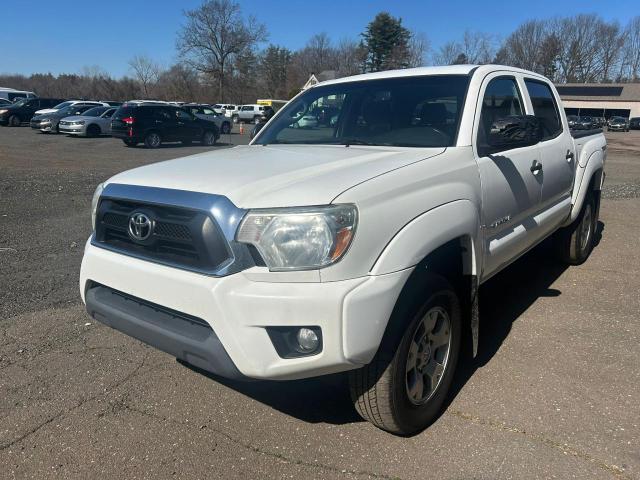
column 357, row 244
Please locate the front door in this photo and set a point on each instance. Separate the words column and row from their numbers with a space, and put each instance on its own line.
column 511, row 186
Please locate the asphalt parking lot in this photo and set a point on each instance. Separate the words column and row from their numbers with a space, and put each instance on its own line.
column 554, row 392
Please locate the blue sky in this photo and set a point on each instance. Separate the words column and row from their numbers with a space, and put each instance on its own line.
column 65, row 35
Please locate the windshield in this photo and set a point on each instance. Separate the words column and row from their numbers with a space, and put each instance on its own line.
column 62, row 105
column 619, row 119
column 405, row 112
column 95, row 111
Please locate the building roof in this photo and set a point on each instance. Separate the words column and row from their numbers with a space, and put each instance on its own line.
column 610, row 92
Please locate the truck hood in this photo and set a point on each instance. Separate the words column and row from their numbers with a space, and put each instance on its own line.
column 256, row 176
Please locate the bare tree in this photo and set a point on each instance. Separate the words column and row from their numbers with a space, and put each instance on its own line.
column 447, row 53
column 215, row 35
column 608, row 50
column 349, row 57
column 146, row 71
column 630, row 64
column 418, row 48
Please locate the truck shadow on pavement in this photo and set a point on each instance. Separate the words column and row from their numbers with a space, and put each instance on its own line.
column 503, row 299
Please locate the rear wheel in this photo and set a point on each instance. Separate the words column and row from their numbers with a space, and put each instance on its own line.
column 575, row 242
column 152, row 140
column 403, row 388
column 209, row 138
column 14, row 121
column 225, row 128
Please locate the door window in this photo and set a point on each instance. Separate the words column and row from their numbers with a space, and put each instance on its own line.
column 183, row 116
column 501, row 99
column 544, row 108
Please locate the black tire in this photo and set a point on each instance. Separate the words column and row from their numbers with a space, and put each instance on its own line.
column 14, row 121
column 186, row 143
column 575, row 242
column 225, row 128
column 93, row 130
column 380, row 390
column 256, row 120
column 152, row 140
column 209, row 138
column 129, row 143
column 235, row 119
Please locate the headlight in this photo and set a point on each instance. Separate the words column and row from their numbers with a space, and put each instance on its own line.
column 3, row 111
column 79, row 122
column 300, row 238
column 94, row 204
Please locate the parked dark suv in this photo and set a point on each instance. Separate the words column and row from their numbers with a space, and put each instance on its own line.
column 23, row 110
column 155, row 124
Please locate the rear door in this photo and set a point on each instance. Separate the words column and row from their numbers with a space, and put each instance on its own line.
column 556, row 152
column 510, row 189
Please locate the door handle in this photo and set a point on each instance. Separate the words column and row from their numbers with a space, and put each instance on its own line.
column 536, row 167
column 569, row 156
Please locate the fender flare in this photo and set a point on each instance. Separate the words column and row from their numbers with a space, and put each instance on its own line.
column 584, row 176
column 418, row 238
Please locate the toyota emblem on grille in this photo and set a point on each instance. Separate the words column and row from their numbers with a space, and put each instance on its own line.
column 140, row 226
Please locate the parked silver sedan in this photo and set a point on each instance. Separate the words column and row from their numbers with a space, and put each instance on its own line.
column 92, row 123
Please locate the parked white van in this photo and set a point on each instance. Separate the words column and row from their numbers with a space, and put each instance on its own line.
column 12, row 94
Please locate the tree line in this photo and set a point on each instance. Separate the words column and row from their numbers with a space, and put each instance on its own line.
column 222, row 57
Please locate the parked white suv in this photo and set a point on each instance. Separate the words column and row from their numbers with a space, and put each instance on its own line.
column 250, row 113
column 354, row 244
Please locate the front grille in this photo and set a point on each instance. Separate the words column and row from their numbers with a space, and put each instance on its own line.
column 180, row 237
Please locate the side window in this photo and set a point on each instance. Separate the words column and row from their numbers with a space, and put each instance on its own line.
column 544, row 108
column 501, row 99
column 109, row 113
column 182, row 115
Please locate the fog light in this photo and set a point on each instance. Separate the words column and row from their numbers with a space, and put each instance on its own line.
column 307, row 339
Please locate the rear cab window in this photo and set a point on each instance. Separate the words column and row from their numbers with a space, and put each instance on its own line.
column 544, row 108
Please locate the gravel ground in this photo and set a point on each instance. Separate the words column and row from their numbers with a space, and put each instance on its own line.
column 553, row 394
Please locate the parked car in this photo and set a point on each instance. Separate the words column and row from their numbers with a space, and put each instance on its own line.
column 112, row 103
column 155, row 124
column 252, row 113
column 572, row 120
column 24, row 109
column 94, row 122
column 634, row 123
column 231, row 110
column 356, row 247
column 584, row 123
column 206, row 112
column 50, row 122
column 68, row 103
column 14, row 95
column 618, row 124
column 4, row 101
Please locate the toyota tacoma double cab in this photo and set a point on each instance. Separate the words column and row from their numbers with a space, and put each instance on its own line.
column 353, row 245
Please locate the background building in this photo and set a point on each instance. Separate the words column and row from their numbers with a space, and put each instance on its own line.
column 601, row 100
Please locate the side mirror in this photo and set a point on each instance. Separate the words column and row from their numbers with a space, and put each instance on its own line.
column 513, row 132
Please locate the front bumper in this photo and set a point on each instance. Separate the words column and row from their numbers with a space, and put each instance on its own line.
column 42, row 126
column 617, row 127
column 72, row 129
column 352, row 313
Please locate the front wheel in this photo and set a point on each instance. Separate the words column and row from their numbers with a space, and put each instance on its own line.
column 575, row 242
column 14, row 121
column 404, row 387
